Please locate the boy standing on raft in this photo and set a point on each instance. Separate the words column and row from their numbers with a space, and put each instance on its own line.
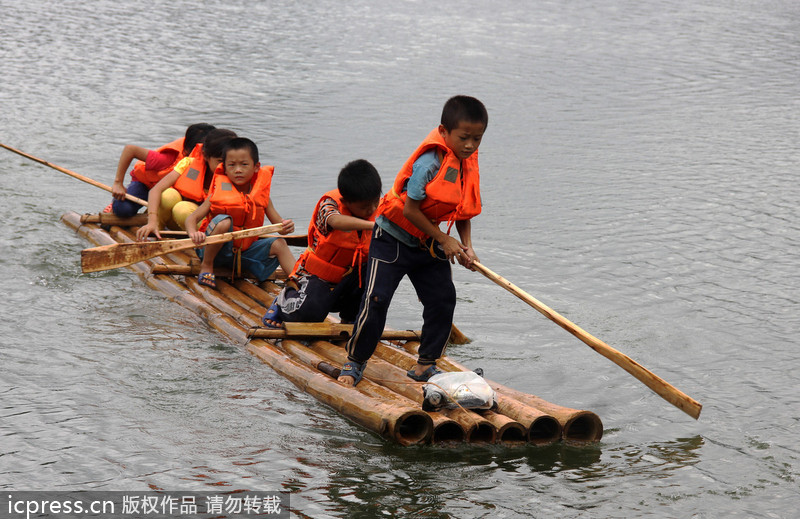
column 329, row 276
column 152, row 166
column 179, row 193
column 438, row 183
column 239, row 199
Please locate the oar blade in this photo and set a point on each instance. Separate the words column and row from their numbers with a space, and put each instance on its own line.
column 118, row 255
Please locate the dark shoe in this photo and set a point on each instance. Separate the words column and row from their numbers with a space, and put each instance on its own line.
column 353, row 369
column 272, row 318
column 428, row 373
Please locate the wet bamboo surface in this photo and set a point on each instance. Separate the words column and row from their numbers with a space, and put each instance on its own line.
column 386, row 402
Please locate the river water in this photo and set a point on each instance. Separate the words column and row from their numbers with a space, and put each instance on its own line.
column 639, row 176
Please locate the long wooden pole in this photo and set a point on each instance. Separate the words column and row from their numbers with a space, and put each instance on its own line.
column 665, row 390
column 73, row 174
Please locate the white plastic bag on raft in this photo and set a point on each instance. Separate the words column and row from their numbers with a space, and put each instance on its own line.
column 467, row 388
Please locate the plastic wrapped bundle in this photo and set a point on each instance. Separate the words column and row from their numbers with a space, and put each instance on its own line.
column 457, row 388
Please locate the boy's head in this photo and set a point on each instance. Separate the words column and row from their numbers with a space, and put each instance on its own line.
column 240, row 157
column 464, row 120
column 195, row 134
column 360, row 186
column 214, row 144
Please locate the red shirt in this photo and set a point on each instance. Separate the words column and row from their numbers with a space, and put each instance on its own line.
column 157, row 161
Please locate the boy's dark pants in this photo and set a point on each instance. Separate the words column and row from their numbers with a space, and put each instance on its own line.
column 389, row 261
column 322, row 297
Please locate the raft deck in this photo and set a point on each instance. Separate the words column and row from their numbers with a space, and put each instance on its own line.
column 386, row 401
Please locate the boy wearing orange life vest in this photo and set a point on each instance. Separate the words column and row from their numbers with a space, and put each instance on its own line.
column 151, row 167
column 183, row 189
column 239, row 199
column 438, row 183
column 329, row 275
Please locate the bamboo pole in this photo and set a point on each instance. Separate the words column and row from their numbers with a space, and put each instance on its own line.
column 660, row 386
column 72, row 174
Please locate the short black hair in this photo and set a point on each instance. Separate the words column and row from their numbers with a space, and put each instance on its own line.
column 359, row 181
column 241, row 143
column 463, row 108
column 215, row 141
column 195, row 134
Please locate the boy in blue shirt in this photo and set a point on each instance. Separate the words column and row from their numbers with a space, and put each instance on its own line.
column 438, row 183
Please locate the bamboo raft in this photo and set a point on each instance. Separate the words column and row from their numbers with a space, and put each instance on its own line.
column 310, row 355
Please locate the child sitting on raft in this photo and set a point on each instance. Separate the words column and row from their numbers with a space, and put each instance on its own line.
column 152, row 166
column 183, row 189
column 329, row 275
column 239, row 199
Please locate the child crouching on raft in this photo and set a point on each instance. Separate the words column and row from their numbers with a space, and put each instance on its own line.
column 239, row 199
column 179, row 193
column 151, row 167
column 438, row 183
column 329, row 276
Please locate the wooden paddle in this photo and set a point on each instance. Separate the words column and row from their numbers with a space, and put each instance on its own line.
column 666, row 391
column 118, row 255
column 294, row 240
column 73, row 174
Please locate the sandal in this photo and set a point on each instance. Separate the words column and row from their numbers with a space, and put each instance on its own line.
column 353, row 369
column 207, row 279
column 428, row 373
column 272, row 318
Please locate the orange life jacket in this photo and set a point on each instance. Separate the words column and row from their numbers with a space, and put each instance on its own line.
column 247, row 210
column 151, row 177
column 337, row 252
column 191, row 182
column 452, row 195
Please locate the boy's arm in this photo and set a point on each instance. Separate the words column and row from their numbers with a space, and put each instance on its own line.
column 453, row 249
column 191, row 222
column 274, row 217
column 153, row 204
column 343, row 222
column 129, row 152
column 464, row 228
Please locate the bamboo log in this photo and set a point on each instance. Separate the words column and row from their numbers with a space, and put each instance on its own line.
column 405, row 425
column 445, row 430
column 194, row 270
column 326, row 329
column 478, row 429
column 576, row 426
column 542, row 428
column 112, row 219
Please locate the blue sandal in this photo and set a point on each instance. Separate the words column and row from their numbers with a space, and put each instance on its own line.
column 428, row 373
column 207, row 279
column 353, row 369
column 272, row 319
